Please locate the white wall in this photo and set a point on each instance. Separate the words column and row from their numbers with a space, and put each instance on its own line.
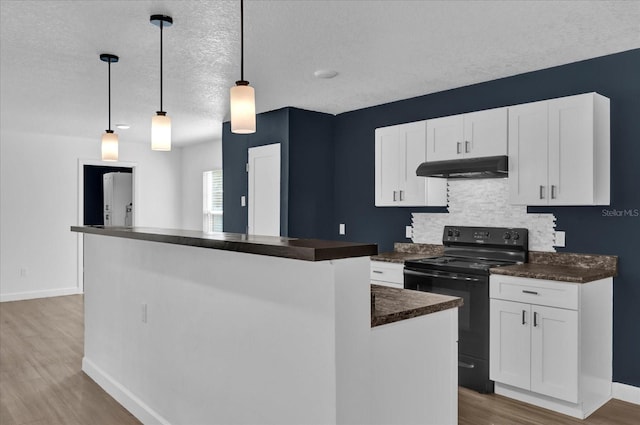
column 223, row 343
column 197, row 159
column 39, row 203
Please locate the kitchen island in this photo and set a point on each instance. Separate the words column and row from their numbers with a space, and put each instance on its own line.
column 186, row 327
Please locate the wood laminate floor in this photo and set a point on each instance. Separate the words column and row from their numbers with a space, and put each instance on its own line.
column 41, row 382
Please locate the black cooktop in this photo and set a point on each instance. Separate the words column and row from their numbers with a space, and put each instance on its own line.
column 456, row 264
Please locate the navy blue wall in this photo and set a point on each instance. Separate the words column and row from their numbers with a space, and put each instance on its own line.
column 272, row 127
column 306, row 198
column 310, row 174
column 589, row 229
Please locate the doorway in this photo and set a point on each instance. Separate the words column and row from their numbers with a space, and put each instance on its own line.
column 95, row 169
column 94, row 193
column 264, row 190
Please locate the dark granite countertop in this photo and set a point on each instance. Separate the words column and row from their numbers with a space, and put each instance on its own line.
column 409, row 251
column 564, row 266
column 553, row 272
column 394, row 304
column 300, row 249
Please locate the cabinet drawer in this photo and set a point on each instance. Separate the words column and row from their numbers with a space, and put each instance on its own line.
column 387, row 272
column 534, row 291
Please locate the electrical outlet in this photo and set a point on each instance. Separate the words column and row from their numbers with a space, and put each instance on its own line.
column 143, row 312
column 23, row 272
column 408, row 232
column 559, row 239
column 342, row 230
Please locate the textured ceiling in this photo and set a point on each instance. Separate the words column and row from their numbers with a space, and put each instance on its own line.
column 52, row 80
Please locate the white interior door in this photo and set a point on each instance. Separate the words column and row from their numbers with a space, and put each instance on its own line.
column 264, row 190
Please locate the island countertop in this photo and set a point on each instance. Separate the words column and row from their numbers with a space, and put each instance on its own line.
column 394, row 304
column 275, row 246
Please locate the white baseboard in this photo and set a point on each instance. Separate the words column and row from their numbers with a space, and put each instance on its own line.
column 30, row 295
column 122, row 395
column 626, row 392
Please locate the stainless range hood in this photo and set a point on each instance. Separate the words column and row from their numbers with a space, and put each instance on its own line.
column 470, row 168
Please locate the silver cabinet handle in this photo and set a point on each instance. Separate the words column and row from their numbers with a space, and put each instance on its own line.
column 535, row 319
column 523, row 317
column 553, row 191
column 459, row 147
column 529, row 292
column 467, row 147
column 394, row 195
column 541, row 192
column 402, row 195
column 466, row 365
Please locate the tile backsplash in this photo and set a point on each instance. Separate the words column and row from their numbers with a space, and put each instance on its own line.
column 484, row 202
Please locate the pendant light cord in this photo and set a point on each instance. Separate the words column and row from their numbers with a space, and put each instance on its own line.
column 161, row 25
column 242, row 40
column 109, row 94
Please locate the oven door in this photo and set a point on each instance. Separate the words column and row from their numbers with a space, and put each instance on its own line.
column 473, row 319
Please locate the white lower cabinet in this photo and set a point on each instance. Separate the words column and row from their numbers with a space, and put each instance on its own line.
column 387, row 274
column 536, row 348
column 550, row 342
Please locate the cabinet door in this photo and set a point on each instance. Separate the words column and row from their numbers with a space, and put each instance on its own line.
column 571, row 151
column 509, row 343
column 413, row 189
column 485, row 133
column 444, row 138
column 554, row 352
column 528, row 138
column 387, row 174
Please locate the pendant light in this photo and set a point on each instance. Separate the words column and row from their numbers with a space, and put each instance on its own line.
column 161, row 123
column 109, row 138
column 243, row 97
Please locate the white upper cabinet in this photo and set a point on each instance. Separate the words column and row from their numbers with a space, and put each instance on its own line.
column 472, row 135
column 400, row 149
column 559, row 151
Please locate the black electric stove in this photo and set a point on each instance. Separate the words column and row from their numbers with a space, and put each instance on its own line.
column 463, row 271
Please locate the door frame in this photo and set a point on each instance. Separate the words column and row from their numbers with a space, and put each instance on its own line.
column 80, row 217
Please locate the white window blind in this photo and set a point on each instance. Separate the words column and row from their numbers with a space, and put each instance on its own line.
column 212, row 201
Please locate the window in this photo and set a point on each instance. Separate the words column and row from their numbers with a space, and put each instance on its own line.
column 212, row 201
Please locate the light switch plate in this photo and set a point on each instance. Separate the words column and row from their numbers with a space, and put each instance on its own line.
column 342, row 229
column 243, row 201
column 559, row 239
column 408, row 232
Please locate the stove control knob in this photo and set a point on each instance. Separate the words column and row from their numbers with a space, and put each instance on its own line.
column 449, row 232
column 516, row 236
column 506, row 236
column 456, row 233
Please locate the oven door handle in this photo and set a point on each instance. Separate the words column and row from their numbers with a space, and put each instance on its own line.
column 441, row 275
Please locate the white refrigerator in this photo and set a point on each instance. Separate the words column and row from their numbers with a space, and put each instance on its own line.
column 118, row 202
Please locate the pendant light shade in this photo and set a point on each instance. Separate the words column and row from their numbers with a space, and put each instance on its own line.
column 109, row 146
column 109, row 138
column 161, row 123
column 243, row 109
column 242, row 97
column 161, row 132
